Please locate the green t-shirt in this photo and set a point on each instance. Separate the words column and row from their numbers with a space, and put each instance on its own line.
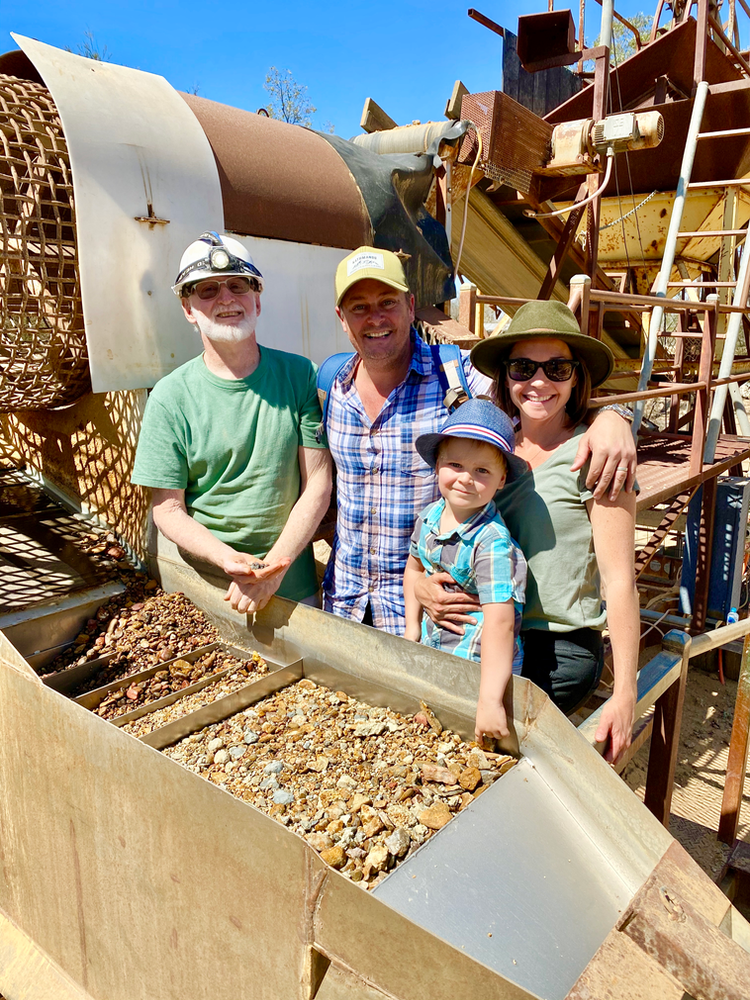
column 232, row 446
column 545, row 511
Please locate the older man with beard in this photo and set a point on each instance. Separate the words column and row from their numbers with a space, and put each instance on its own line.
column 229, row 443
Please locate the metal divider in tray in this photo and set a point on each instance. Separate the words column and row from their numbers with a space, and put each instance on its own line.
column 278, row 676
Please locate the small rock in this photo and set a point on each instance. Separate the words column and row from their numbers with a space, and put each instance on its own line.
column 283, row 797
column 215, row 745
column 357, row 801
column 431, row 772
column 320, row 841
column 268, row 782
column 347, row 836
column 250, row 737
column 399, row 842
column 419, row 833
column 221, row 757
column 470, row 778
column 436, row 816
column 376, row 860
column 478, row 759
column 373, row 826
column 365, row 729
column 335, row 826
column 346, row 781
column 400, row 814
column 429, row 716
column 275, row 767
column 236, row 752
column 334, row 856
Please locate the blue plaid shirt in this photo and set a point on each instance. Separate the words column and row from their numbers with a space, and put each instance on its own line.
column 382, row 485
column 483, row 559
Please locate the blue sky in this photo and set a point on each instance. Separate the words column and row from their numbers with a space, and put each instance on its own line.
column 405, row 54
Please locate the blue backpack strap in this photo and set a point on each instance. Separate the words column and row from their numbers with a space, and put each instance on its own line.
column 449, row 365
column 326, row 376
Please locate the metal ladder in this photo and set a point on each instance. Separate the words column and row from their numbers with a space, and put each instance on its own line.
column 741, row 285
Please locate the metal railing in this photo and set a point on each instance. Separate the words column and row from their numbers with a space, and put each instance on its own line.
column 661, row 693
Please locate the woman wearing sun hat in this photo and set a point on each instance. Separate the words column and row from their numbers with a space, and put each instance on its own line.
column 577, row 548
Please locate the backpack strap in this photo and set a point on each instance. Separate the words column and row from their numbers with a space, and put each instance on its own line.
column 326, row 376
column 450, row 369
column 445, row 357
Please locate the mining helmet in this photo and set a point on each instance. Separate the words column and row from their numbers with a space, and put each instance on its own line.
column 214, row 256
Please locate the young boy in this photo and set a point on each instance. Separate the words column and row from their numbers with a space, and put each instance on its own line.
column 464, row 535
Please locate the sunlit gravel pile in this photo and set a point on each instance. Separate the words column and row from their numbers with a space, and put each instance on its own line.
column 364, row 786
column 245, row 672
column 140, row 635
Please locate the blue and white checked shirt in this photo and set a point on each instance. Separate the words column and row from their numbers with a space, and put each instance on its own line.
column 382, row 485
column 483, row 559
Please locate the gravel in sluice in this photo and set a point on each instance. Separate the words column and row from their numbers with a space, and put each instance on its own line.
column 246, row 672
column 143, row 635
column 178, row 675
column 364, row 786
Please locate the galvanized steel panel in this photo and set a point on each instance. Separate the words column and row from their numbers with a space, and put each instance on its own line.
column 136, row 151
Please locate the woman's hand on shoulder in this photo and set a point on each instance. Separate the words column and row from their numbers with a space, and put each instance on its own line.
column 609, row 444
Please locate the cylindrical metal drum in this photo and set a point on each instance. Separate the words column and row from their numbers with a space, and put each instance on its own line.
column 42, row 343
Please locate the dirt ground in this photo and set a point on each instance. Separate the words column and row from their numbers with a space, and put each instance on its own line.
column 701, row 768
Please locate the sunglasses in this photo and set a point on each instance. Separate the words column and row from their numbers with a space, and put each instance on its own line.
column 206, row 290
column 556, row 369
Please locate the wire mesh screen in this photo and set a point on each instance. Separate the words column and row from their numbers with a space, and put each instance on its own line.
column 43, row 358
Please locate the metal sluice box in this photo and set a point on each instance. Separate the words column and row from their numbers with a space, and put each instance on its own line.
column 126, row 876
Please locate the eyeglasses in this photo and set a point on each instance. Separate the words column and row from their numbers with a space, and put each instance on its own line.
column 237, row 285
column 556, row 369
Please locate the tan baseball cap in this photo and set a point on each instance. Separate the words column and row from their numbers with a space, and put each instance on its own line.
column 369, row 262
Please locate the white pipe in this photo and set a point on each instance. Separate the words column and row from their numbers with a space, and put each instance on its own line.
column 725, row 366
column 605, row 35
column 670, row 247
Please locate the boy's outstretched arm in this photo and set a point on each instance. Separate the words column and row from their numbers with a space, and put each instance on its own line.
column 414, row 571
column 498, row 644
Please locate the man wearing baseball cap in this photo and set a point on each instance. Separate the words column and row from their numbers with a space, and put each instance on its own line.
column 229, row 443
column 380, row 401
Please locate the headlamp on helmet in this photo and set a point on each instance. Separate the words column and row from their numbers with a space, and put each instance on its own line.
column 211, row 255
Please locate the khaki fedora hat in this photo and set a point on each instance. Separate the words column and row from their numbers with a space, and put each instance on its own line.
column 545, row 319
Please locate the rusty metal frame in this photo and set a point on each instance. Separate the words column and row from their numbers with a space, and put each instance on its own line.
column 739, row 743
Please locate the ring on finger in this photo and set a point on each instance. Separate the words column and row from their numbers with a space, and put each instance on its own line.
column 622, row 468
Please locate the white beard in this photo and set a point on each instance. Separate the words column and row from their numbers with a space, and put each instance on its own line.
column 224, row 333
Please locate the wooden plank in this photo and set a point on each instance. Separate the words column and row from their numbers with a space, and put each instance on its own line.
column 442, row 328
column 374, row 119
column 665, row 738
column 738, row 748
column 620, row 970
column 453, row 104
column 667, row 927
